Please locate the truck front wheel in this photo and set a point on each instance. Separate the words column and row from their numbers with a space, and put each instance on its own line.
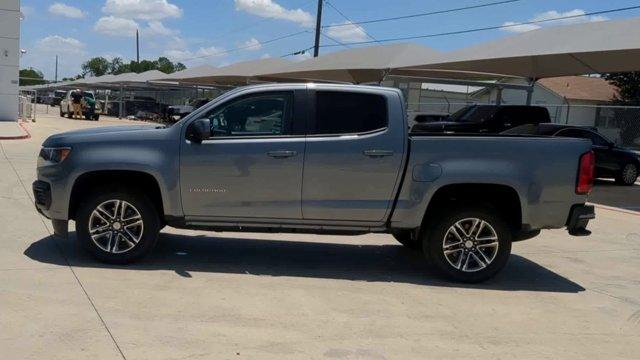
column 117, row 226
column 468, row 244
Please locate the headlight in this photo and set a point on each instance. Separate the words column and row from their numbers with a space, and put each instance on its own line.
column 55, row 155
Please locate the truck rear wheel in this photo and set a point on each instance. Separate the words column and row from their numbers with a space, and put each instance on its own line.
column 469, row 244
column 117, row 226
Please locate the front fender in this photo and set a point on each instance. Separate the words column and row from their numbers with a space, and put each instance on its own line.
column 156, row 154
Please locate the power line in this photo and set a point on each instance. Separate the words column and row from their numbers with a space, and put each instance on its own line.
column 259, row 43
column 491, row 27
column 334, row 40
column 349, row 20
column 243, row 28
column 299, row 52
column 422, row 14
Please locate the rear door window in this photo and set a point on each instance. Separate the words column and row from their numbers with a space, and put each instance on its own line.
column 339, row 112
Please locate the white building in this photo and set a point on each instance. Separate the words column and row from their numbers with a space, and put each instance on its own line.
column 576, row 100
column 9, row 58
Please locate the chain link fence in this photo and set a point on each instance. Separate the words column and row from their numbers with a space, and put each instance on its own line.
column 621, row 124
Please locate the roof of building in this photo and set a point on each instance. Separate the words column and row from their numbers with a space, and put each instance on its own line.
column 581, row 88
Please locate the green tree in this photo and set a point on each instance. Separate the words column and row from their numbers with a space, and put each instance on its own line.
column 71, row 78
column 142, row 66
column 31, row 76
column 628, row 84
column 99, row 66
column 166, row 66
column 115, row 66
column 96, row 66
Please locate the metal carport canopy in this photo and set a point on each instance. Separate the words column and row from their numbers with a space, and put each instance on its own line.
column 358, row 65
column 598, row 47
column 240, row 73
column 197, row 71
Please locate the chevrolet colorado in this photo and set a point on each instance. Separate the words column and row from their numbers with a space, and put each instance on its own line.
column 315, row 158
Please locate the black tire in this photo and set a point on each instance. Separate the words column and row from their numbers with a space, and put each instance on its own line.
column 96, row 117
column 148, row 236
column 627, row 180
column 61, row 113
column 433, row 241
column 407, row 238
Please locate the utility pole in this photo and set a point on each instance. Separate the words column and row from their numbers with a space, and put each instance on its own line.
column 56, row 77
column 316, row 46
column 137, row 47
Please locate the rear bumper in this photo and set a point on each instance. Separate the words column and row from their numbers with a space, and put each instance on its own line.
column 579, row 219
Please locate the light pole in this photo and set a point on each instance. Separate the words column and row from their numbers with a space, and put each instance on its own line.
column 316, row 46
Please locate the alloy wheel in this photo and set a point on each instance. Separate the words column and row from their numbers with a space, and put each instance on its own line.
column 115, row 226
column 629, row 174
column 470, row 244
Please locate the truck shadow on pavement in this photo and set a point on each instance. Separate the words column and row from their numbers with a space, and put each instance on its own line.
column 376, row 263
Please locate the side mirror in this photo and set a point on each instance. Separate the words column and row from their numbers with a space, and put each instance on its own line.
column 199, row 130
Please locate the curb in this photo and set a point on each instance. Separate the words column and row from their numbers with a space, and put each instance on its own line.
column 620, row 210
column 27, row 135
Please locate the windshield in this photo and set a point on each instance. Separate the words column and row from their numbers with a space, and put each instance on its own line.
column 473, row 114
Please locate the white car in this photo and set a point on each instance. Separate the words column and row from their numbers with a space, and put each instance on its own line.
column 66, row 106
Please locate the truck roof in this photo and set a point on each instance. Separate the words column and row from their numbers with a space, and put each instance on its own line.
column 312, row 85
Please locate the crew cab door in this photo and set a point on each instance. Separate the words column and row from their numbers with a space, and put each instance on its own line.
column 353, row 154
column 251, row 167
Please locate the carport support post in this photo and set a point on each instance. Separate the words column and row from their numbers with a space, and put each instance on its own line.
column 35, row 104
column 499, row 95
column 532, row 84
column 120, row 108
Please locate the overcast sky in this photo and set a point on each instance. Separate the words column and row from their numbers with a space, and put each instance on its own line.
column 220, row 32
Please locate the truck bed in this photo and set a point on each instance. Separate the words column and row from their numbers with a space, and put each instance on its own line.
column 542, row 170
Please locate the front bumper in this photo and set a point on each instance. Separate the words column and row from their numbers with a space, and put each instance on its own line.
column 42, row 196
column 42, row 200
column 579, row 217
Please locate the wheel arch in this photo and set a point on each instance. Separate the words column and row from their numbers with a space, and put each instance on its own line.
column 113, row 179
column 505, row 199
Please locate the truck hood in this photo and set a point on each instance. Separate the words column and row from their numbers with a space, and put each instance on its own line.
column 69, row 137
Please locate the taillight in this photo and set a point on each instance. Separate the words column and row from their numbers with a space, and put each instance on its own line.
column 586, row 173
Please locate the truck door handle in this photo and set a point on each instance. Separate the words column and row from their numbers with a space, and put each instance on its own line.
column 378, row 153
column 280, row 154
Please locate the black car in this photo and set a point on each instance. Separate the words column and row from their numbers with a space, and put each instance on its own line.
column 611, row 161
column 487, row 119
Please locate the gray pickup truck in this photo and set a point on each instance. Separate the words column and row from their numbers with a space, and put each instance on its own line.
column 314, row 158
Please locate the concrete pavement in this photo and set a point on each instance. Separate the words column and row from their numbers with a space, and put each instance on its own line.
column 12, row 130
column 205, row 295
